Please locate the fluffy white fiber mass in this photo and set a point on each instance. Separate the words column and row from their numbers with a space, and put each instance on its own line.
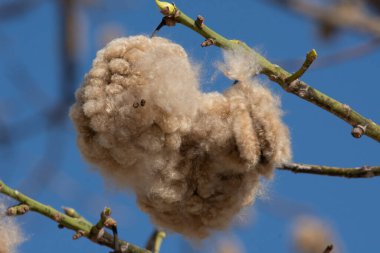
column 11, row 235
column 193, row 159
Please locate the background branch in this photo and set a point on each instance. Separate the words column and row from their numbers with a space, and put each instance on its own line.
column 345, row 15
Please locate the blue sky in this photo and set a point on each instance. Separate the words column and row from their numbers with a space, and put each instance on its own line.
column 349, row 206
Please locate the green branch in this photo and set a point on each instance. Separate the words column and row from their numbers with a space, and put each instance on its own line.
column 155, row 241
column 279, row 75
column 359, row 172
column 71, row 220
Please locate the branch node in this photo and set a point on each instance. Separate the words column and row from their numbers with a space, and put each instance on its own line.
column 208, row 42
column 199, row 21
column 110, row 223
column 347, row 108
column 57, row 217
column 292, row 86
column 105, row 220
column 310, row 58
column 18, row 210
column 358, row 131
column 71, row 212
column 170, row 21
column 78, row 234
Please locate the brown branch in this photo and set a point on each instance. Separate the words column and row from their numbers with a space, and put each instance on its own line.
column 359, row 172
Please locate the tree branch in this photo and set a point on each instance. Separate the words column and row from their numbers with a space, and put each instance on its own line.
column 280, row 76
column 81, row 226
column 359, row 172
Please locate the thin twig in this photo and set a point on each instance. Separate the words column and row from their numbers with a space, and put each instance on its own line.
column 279, row 75
column 359, row 172
column 155, row 241
column 81, row 226
column 310, row 58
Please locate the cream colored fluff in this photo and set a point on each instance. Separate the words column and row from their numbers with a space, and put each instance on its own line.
column 11, row 235
column 193, row 159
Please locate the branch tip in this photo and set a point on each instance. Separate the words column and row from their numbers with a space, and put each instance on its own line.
column 106, row 212
column 166, row 8
column 155, row 241
column 310, row 58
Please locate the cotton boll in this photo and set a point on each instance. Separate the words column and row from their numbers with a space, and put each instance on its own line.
column 11, row 235
column 194, row 160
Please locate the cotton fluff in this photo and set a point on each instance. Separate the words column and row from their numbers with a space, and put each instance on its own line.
column 10, row 233
column 193, row 159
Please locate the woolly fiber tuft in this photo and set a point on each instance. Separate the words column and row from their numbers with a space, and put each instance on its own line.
column 11, row 235
column 193, row 159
